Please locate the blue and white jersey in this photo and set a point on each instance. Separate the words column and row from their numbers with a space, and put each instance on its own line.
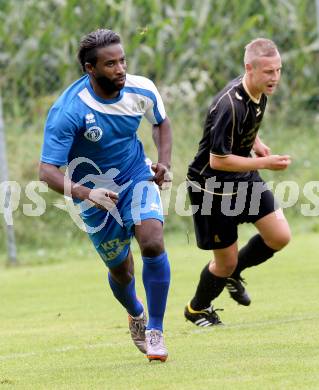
column 83, row 125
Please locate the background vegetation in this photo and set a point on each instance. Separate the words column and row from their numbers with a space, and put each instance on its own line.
column 190, row 49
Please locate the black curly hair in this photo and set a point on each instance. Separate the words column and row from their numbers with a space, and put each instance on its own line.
column 94, row 40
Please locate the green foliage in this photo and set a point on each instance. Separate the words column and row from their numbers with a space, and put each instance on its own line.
column 189, row 48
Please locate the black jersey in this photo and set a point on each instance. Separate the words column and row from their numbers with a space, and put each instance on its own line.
column 231, row 127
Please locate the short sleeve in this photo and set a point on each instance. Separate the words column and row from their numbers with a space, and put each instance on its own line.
column 155, row 112
column 59, row 132
column 222, row 128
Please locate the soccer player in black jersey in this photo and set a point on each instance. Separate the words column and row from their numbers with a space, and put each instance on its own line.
column 225, row 188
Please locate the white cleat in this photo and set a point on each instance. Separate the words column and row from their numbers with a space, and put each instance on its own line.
column 155, row 348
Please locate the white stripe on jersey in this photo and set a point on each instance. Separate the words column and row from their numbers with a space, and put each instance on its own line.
column 132, row 103
column 145, row 83
column 125, row 106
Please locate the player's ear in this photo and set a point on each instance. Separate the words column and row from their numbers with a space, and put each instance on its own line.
column 89, row 67
column 248, row 68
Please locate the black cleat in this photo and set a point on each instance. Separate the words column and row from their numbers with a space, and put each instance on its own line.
column 237, row 291
column 204, row 318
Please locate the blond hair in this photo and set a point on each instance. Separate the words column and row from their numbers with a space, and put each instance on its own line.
column 259, row 47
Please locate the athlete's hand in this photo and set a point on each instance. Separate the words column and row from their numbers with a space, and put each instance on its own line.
column 261, row 149
column 276, row 162
column 103, row 198
column 163, row 176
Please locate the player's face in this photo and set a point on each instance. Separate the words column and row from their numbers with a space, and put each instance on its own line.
column 110, row 69
column 265, row 75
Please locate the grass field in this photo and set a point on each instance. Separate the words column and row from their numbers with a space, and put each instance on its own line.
column 60, row 327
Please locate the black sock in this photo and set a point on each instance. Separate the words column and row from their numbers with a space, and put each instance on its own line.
column 209, row 287
column 253, row 253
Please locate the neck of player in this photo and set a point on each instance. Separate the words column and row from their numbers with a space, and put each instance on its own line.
column 250, row 89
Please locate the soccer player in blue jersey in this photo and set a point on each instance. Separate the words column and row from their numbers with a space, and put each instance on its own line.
column 92, row 129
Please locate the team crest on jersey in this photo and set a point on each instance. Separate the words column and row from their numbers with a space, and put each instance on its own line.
column 139, row 106
column 93, row 133
column 89, row 118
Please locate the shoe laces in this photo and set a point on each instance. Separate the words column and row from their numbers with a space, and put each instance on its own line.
column 242, row 280
column 212, row 313
column 237, row 284
column 155, row 337
column 138, row 324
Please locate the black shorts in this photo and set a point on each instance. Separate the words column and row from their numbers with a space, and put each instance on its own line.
column 216, row 217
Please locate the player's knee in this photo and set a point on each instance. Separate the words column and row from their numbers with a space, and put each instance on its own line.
column 225, row 269
column 152, row 247
column 123, row 278
column 279, row 241
column 123, row 273
column 228, row 269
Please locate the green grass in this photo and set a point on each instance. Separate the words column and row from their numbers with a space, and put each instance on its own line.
column 60, row 327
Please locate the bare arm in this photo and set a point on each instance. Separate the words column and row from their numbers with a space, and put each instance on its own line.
column 57, row 181
column 162, row 136
column 260, row 149
column 234, row 163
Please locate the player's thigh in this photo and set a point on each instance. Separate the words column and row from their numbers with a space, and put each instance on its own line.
column 146, row 216
column 149, row 235
column 274, row 229
column 145, row 203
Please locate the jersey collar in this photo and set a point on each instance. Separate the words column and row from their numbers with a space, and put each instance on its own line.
column 98, row 98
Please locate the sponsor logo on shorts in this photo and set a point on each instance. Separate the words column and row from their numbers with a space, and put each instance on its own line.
column 112, row 248
column 216, row 238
